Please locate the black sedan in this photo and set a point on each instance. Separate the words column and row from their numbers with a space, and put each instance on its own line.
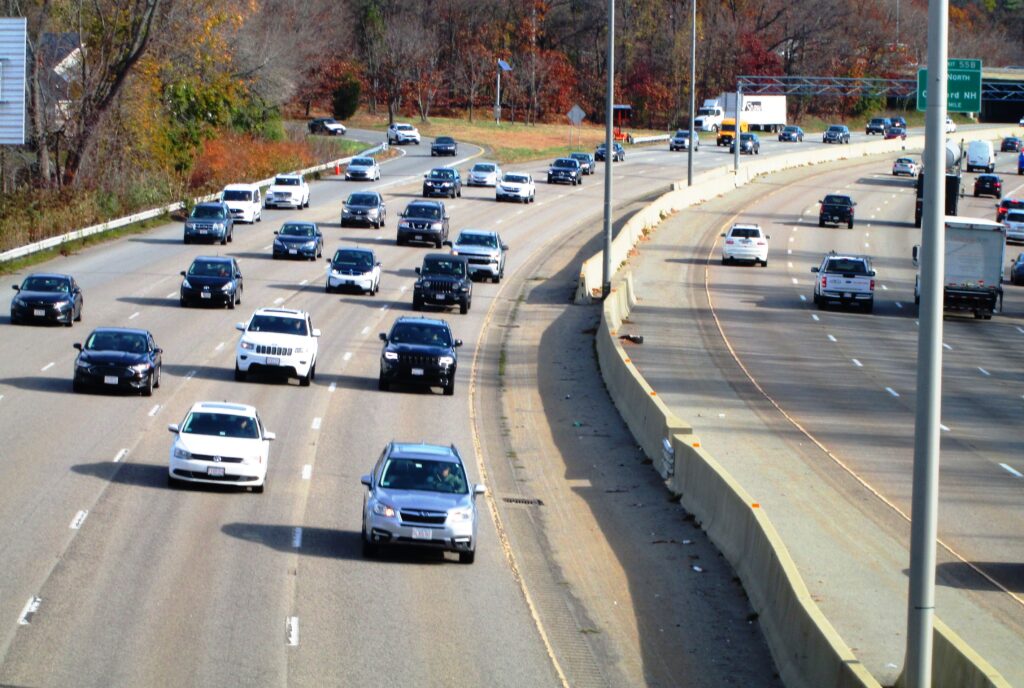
column 1017, row 271
column 212, row 279
column 299, row 240
column 118, row 358
column 47, row 297
column 586, row 161
column 444, row 145
column 618, row 152
column 988, row 185
column 791, row 133
column 1011, row 144
column 750, row 144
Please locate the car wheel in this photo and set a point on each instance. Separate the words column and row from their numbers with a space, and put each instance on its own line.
column 849, row 225
column 724, row 261
column 172, row 482
column 459, row 193
column 79, row 318
column 240, row 374
column 764, row 263
column 382, row 384
column 417, row 304
column 467, row 557
column 870, row 307
column 76, row 386
column 369, row 549
column 258, row 489
column 159, row 375
column 449, row 387
column 147, row 391
column 821, row 223
column 224, row 241
column 464, row 307
column 186, row 240
column 71, row 320
column 304, row 380
column 438, row 243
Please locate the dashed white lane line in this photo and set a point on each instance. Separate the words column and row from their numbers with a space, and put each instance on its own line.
column 334, row 386
column 857, row 363
column 307, row 471
column 814, row 317
column 795, row 281
column 268, row 247
column 153, row 411
column 867, row 245
column 803, row 298
column 31, row 607
column 1, row 397
column 219, row 347
column 892, row 391
column 789, row 263
column 885, row 288
column 384, row 307
column 792, row 239
column 899, row 305
column 297, row 538
column 403, row 289
column 365, row 330
column 172, row 295
column 347, row 356
column 984, row 372
column 1012, row 471
column 315, row 424
column 292, row 631
column 133, row 315
column 78, row 520
column 519, row 212
column 1021, row 330
column 831, row 338
column 498, row 222
column 303, row 283
column 946, row 346
column 190, row 374
column 789, row 251
column 279, row 300
column 120, row 455
column 47, row 367
column 794, row 229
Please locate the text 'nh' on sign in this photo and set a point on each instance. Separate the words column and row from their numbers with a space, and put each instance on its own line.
column 963, row 86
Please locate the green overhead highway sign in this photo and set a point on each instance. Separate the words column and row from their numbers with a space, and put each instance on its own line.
column 963, row 86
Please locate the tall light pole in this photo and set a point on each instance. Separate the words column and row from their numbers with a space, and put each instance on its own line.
column 925, row 502
column 502, row 67
column 693, row 86
column 609, row 153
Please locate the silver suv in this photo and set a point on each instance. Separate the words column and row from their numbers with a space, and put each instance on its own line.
column 418, row 495
column 484, row 250
column 399, row 133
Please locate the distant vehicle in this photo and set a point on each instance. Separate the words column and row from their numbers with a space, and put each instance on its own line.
column 565, row 170
column 905, row 166
column 118, row 358
column 895, row 131
column 792, row 133
column 216, row 280
column 400, row 133
column 950, row 126
column 618, row 152
column 845, row 279
column 220, row 443
column 444, row 145
column 366, row 208
column 354, row 268
column 288, row 190
column 209, row 221
column 516, row 186
column 1006, row 205
column 764, row 113
column 362, row 168
column 953, row 193
column 443, row 281
column 1011, row 144
column 1017, row 271
column 681, row 141
column 749, row 144
column 981, row 155
column 442, row 181
column 298, row 240
column 728, row 131
column 1014, row 222
column 419, row 351
column 244, row 201
column 1020, row 163
column 876, row 125
column 587, row 163
column 277, row 340
column 483, row 174
column 975, row 253
column 326, row 125
column 484, row 250
column 988, row 185
column 837, row 133
column 418, row 494
column 423, row 221
column 47, row 297
column 710, row 115
column 836, row 209
column 745, row 242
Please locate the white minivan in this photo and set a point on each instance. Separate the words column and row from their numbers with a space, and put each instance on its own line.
column 244, row 201
column 981, row 156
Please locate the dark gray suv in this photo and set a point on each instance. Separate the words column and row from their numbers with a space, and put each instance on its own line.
column 443, row 281
column 423, row 221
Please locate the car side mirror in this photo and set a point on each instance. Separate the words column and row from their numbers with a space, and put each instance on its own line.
column 723, row 234
column 275, row 232
column 504, row 247
column 417, row 271
column 77, row 345
column 458, row 343
column 447, row 216
column 814, row 269
column 173, row 427
column 820, row 201
column 329, row 260
column 915, row 254
column 446, row 243
column 269, row 436
column 240, row 327
column 182, row 273
column 15, row 287
column 854, row 203
column 365, row 479
column 426, row 176
column 377, row 263
column 158, row 350
column 383, row 336
column 767, row 236
column 316, row 332
column 479, row 489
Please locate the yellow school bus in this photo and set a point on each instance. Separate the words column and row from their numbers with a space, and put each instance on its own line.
column 728, row 130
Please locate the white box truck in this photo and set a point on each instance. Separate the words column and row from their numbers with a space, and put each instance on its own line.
column 981, row 155
column 973, row 279
column 764, row 113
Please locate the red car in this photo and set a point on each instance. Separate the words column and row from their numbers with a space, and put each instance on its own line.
column 1006, row 205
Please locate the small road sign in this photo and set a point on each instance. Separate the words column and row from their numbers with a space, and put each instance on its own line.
column 576, row 115
column 963, row 86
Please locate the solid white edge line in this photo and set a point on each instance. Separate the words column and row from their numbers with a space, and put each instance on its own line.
column 307, row 471
column 984, row 372
column 292, row 629
column 219, row 347
column 297, row 537
column 946, row 346
column 303, row 282
column 133, row 315
column 831, row 338
column 365, row 330
column 333, row 386
column 795, row 281
column 1012, row 471
column 120, row 455
column 943, row 427
column 815, row 318
column 30, row 608
column 46, row 367
column 803, row 298
column 316, row 424
column 79, row 519
column 153, row 411
column 347, row 356
column 892, row 391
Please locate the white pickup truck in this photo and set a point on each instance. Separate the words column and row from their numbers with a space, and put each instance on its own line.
column 846, row 280
column 288, row 190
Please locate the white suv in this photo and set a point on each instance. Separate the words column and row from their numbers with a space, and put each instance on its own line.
column 277, row 340
column 222, row 444
column 403, row 133
column 244, row 202
column 745, row 242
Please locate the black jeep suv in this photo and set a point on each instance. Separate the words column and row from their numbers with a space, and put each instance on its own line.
column 443, row 281
column 419, row 351
column 836, row 209
column 565, row 170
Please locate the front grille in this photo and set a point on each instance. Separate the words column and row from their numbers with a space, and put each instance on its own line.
column 201, row 226
column 482, row 260
column 428, row 517
column 116, row 370
column 219, row 478
column 425, row 361
column 420, row 225
column 273, row 350
column 223, row 459
column 442, row 287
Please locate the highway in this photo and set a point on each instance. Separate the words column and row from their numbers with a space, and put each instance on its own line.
column 813, row 409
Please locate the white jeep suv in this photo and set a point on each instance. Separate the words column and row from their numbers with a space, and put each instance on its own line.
column 277, row 340
column 399, row 132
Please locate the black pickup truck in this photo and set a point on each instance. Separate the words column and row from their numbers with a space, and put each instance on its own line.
column 836, row 209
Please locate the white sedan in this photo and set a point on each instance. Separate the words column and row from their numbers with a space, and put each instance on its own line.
column 904, row 166
column 516, row 186
column 950, row 125
column 483, row 174
column 354, row 268
column 221, row 444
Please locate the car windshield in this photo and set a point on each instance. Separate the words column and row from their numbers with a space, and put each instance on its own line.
column 837, row 200
column 746, row 232
column 836, row 130
column 516, row 178
column 297, row 230
column 207, row 212
column 442, row 266
column 328, row 120
column 356, row 260
column 1015, row 216
column 483, row 167
column 683, row 133
column 445, row 139
column 362, row 162
column 905, row 161
column 442, row 173
column 566, row 162
column 403, row 127
column 847, row 266
column 746, row 137
column 278, row 325
column 237, row 195
column 424, row 334
column 220, row 425
column 58, row 284
column 791, row 130
column 286, row 181
column 487, row 240
column 130, row 342
column 427, row 476
column 362, row 199
column 427, row 212
column 210, row 268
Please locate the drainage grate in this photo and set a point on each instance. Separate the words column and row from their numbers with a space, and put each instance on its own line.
column 525, row 501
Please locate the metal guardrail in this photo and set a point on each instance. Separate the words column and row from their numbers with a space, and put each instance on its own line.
column 647, row 139
column 53, row 242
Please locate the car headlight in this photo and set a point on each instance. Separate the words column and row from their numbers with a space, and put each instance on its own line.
column 455, row 252
column 186, row 284
column 460, row 515
column 228, row 286
column 83, row 364
column 61, row 304
column 278, row 243
column 309, row 244
column 463, row 288
column 247, row 346
column 404, row 225
column 18, row 301
column 446, row 360
column 436, row 226
column 140, row 367
column 390, row 356
column 252, row 459
column 182, row 454
column 425, row 284
column 382, row 509
column 219, row 226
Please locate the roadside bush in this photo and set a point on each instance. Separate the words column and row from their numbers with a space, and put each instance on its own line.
column 235, row 157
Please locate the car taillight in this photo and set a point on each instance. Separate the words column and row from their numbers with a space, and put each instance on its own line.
column 824, row 282
column 728, row 241
column 760, row 243
column 872, row 285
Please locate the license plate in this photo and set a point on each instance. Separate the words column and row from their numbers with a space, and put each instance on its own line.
column 274, row 361
column 39, row 312
column 215, row 471
column 847, row 295
column 293, row 251
column 202, row 231
column 416, row 371
column 439, row 297
column 419, row 237
column 205, row 295
column 422, row 534
column 110, row 379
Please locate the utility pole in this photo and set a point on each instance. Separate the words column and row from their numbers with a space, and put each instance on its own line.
column 693, row 86
column 609, row 153
column 736, row 132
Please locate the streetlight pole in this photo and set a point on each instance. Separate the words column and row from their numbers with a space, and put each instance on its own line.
column 497, row 99
column 736, row 132
column 609, row 153
column 693, row 86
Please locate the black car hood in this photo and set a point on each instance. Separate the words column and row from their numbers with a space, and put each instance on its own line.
column 441, row 278
column 117, row 357
column 44, row 296
column 212, row 281
column 422, row 349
